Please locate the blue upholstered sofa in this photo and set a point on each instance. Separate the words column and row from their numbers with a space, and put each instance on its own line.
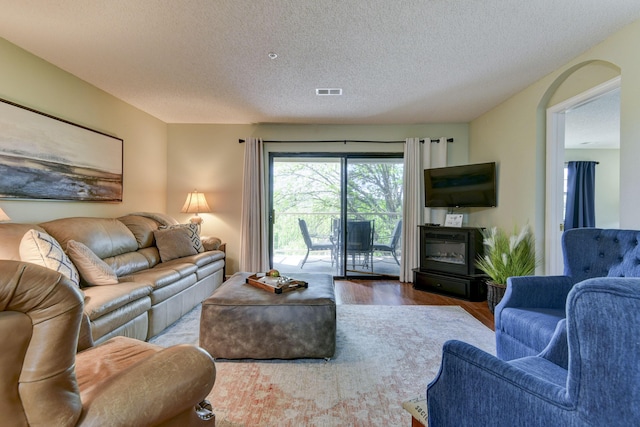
column 532, row 307
column 600, row 386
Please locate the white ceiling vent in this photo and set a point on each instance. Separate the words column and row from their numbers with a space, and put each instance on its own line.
column 329, row 91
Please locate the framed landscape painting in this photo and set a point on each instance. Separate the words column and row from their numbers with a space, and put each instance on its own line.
column 44, row 157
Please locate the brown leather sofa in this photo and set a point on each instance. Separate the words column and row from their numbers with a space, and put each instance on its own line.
column 151, row 292
column 122, row 382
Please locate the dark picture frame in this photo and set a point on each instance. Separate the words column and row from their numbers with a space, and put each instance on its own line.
column 43, row 157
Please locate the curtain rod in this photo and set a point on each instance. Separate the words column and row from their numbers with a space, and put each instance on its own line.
column 353, row 140
column 597, row 163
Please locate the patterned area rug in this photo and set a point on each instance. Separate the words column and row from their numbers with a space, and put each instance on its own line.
column 385, row 355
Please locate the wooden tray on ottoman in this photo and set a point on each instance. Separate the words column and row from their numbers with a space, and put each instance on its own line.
column 271, row 284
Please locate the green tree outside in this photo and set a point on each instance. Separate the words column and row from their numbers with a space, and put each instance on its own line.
column 310, row 189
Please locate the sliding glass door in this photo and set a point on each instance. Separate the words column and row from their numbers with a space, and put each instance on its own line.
column 305, row 203
column 373, row 210
column 336, row 213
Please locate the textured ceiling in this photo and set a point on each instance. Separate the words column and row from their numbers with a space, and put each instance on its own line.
column 398, row 62
column 595, row 124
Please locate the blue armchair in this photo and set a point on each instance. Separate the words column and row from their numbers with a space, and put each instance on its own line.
column 528, row 315
column 600, row 386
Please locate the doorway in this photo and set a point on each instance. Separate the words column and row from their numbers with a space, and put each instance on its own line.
column 336, row 213
column 584, row 127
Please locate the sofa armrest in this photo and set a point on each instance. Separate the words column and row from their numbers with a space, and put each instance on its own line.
column 212, row 243
column 153, row 390
column 469, row 375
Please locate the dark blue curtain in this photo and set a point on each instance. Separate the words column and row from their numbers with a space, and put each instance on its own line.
column 580, row 208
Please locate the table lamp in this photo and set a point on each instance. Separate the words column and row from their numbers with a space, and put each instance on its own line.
column 195, row 203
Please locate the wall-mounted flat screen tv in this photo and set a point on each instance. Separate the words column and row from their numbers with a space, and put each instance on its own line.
column 461, row 186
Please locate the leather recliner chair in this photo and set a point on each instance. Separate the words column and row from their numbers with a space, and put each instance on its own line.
column 122, row 382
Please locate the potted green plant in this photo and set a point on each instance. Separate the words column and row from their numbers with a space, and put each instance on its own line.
column 506, row 255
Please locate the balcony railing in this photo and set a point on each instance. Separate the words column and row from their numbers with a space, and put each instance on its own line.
column 289, row 245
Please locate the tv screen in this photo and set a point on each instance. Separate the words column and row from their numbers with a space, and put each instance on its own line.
column 461, row 186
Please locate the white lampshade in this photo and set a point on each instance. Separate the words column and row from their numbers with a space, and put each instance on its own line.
column 4, row 216
column 196, row 203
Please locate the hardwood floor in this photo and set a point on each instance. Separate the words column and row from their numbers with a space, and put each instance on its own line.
column 393, row 292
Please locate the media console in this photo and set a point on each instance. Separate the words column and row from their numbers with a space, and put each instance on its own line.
column 447, row 262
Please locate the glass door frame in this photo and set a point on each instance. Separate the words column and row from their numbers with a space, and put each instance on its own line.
column 344, row 156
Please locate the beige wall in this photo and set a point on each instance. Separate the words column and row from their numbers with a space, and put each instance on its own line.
column 30, row 81
column 513, row 134
column 209, row 158
column 583, row 79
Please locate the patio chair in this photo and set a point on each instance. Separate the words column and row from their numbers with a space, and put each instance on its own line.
column 393, row 243
column 360, row 242
column 311, row 246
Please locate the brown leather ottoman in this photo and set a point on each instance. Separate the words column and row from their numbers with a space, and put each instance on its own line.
column 240, row 321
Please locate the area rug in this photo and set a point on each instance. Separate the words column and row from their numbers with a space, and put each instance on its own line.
column 385, row 355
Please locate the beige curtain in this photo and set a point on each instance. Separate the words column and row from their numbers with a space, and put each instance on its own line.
column 254, row 252
column 412, row 207
column 431, row 154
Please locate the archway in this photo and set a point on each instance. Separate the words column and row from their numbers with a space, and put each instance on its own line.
column 550, row 150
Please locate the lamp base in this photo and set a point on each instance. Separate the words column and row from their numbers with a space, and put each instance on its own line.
column 196, row 220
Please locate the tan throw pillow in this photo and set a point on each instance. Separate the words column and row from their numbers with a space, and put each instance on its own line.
column 93, row 270
column 174, row 243
column 193, row 232
column 40, row 248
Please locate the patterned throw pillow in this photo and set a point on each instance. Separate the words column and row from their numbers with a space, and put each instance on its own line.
column 174, row 243
column 40, row 248
column 93, row 270
column 193, row 231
